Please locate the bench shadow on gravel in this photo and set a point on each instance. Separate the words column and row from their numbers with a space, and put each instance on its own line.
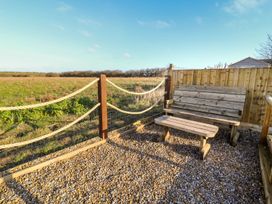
column 149, row 135
column 21, row 192
column 216, row 179
column 228, row 175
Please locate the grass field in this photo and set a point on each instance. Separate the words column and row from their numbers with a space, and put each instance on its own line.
column 26, row 124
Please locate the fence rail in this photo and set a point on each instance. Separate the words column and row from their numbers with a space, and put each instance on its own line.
column 257, row 81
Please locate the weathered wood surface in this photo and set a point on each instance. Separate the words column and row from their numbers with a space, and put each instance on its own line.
column 203, row 130
column 256, row 81
column 103, row 112
column 208, row 109
column 269, row 143
column 208, row 117
column 221, row 101
column 230, row 90
column 194, row 127
column 209, row 102
column 167, row 90
column 266, row 122
column 265, row 163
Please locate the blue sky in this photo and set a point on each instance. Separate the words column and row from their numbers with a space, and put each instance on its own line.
column 48, row 35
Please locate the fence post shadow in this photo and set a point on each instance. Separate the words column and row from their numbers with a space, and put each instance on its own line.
column 20, row 190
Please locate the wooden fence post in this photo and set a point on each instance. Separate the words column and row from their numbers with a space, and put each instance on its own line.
column 167, row 90
column 170, row 73
column 103, row 112
column 266, row 124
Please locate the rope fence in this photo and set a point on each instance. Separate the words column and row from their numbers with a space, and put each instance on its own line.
column 102, row 105
column 51, row 133
column 136, row 112
column 49, row 102
column 136, row 93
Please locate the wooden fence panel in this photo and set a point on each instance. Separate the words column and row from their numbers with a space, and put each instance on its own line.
column 257, row 82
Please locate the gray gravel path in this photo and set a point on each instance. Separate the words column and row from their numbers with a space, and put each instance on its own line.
column 137, row 169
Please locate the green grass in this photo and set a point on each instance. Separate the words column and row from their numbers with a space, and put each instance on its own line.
column 22, row 125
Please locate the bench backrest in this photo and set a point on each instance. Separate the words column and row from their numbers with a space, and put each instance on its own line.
column 222, row 101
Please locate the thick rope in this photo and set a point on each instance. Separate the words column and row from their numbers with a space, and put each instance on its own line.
column 49, row 134
column 136, row 93
column 49, row 102
column 134, row 113
column 269, row 99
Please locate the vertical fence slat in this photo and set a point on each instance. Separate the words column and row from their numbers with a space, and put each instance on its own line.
column 257, row 81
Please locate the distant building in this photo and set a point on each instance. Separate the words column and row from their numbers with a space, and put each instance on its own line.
column 252, row 63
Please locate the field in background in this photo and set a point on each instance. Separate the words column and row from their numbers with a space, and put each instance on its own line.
column 26, row 124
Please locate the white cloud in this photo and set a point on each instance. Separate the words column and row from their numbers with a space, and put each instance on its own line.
column 199, row 20
column 97, row 46
column 88, row 21
column 237, row 23
column 160, row 24
column 127, row 55
column 85, row 33
column 63, row 7
column 59, row 27
column 93, row 48
column 242, row 6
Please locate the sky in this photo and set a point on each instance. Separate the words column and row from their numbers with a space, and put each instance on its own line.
column 49, row 35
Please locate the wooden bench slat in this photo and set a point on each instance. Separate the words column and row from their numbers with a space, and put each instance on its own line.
column 213, row 89
column 208, row 102
column 210, row 117
column 212, row 96
column 190, row 123
column 209, row 110
column 173, row 123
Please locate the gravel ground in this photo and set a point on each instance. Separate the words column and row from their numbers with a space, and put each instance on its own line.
column 137, row 169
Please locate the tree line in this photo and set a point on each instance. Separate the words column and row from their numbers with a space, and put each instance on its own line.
column 149, row 72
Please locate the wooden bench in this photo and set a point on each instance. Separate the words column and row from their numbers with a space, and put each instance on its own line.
column 204, row 130
column 223, row 105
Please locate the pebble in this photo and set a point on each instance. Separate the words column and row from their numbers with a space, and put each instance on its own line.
column 135, row 168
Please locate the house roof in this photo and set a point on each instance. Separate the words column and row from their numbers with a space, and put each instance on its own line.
column 250, row 62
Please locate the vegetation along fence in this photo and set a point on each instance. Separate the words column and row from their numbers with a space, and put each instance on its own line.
column 257, row 82
column 102, row 105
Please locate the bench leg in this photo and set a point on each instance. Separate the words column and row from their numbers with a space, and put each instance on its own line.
column 234, row 135
column 204, row 147
column 166, row 134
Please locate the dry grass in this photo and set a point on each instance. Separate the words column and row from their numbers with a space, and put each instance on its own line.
column 28, row 90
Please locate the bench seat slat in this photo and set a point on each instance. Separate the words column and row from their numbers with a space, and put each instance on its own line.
column 180, row 124
column 210, row 117
column 190, row 123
